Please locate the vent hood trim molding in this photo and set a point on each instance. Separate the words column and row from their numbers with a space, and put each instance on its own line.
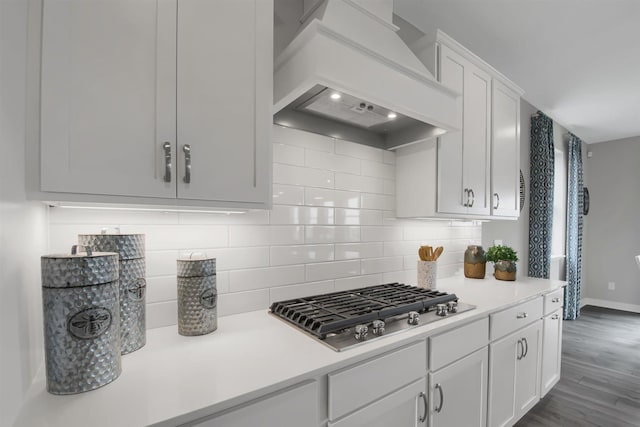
column 317, row 27
column 356, row 6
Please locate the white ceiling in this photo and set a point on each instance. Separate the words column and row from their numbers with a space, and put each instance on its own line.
column 577, row 60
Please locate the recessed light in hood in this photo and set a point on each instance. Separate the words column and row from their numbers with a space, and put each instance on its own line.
column 350, row 48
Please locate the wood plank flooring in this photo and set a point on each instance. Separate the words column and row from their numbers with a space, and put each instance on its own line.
column 600, row 377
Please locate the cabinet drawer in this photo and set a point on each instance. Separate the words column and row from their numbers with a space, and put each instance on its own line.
column 453, row 345
column 553, row 301
column 356, row 386
column 514, row 318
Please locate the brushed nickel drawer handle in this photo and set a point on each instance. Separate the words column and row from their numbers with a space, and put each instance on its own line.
column 556, row 299
column 423, row 417
column 523, row 315
column 555, row 317
column 439, row 388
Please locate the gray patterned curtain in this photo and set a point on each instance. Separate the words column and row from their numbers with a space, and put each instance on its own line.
column 575, row 204
column 542, row 159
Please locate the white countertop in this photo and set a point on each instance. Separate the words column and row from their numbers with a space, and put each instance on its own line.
column 175, row 379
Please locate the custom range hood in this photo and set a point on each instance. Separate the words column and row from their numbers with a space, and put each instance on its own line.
column 348, row 75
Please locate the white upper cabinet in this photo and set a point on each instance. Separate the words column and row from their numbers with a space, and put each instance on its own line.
column 455, row 175
column 159, row 100
column 505, row 152
column 108, row 96
column 224, row 99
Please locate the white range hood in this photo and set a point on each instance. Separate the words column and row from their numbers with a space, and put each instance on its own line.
column 347, row 74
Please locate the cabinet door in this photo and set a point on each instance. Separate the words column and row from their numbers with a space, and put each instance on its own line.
column 477, row 127
column 505, row 152
column 463, row 157
column 108, row 96
column 451, row 198
column 460, row 385
column 402, row 408
column 514, row 375
column 297, row 407
column 551, row 351
column 528, row 370
column 224, row 96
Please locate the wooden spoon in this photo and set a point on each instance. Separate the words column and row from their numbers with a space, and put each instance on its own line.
column 438, row 252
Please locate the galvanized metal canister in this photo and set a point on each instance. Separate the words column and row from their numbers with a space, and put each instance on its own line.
column 197, row 296
column 133, row 285
column 81, row 320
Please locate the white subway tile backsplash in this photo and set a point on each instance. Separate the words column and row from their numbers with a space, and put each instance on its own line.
column 357, row 282
column 258, row 278
column 241, row 302
column 301, row 254
column 239, row 258
column 162, row 314
column 249, row 217
column 358, row 250
column 381, row 265
column 331, row 198
column 288, row 154
column 163, row 288
column 380, row 234
column 331, row 234
column 251, row 235
column 298, row 175
column 161, row 263
column 358, row 217
column 332, row 162
column 332, row 270
column 302, row 139
column 282, row 293
column 378, row 201
column 302, row 215
column 389, row 157
column 360, row 151
column 332, row 227
column 287, row 195
column 378, row 169
column 345, row 181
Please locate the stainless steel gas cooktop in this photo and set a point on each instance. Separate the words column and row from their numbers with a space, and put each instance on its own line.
column 342, row 320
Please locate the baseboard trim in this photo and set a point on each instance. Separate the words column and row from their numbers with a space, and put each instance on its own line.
column 634, row 308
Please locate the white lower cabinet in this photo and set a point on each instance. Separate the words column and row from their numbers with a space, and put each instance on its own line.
column 458, row 393
column 295, row 407
column 405, row 407
column 551, row 351
column 514, row 375
column 386, row 390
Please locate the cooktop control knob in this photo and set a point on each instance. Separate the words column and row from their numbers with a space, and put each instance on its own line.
column 452, row 307
column 378, row 327
column 361, row 332
column 441, row 309
column 414, row 318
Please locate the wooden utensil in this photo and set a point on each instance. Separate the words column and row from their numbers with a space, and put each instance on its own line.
column 437, row 253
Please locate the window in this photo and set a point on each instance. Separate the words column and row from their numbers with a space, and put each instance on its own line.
column 559, row 236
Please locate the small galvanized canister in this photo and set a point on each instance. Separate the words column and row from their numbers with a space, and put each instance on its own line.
column 197, row 296
column 81, row 320
column 475, row 261
column 133, row 285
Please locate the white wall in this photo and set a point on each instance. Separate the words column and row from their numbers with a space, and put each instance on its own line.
column 331, row 228
column 22, row 224
column 613, row 237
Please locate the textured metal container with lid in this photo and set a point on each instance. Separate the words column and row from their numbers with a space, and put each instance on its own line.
column 133, row 285
column 81, row 320
column 197, row 295
column 475, row 262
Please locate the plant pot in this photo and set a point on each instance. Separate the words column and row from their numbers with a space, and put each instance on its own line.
column 505, row 270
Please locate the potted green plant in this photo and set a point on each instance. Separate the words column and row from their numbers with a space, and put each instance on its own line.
column 504, row 259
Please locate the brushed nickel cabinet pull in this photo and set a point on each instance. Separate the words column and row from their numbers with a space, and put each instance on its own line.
column 167, row 161
column 497, row 200
column 473, row 197
column 466, row 198
column 423, row 417
column 187, row 163
column 439, row 388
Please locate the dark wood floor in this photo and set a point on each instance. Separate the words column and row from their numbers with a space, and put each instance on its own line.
column 600, row 381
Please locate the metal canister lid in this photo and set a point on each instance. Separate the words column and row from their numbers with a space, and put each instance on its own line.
column 79, row 268
column 128, row 246
column 196, row 266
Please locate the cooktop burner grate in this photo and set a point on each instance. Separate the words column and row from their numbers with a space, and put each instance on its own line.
column 331, row 313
